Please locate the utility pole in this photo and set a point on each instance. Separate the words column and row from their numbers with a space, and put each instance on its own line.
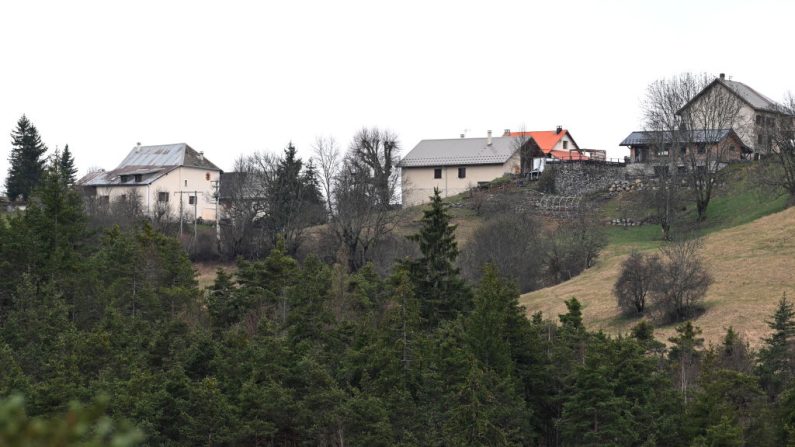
column 217, row 194
column 195, row 195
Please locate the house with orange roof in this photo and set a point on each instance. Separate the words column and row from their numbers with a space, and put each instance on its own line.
column 455, row 165
column 556, row 144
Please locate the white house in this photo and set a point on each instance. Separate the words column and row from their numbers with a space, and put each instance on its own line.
column 167, row 178
column 457, row 164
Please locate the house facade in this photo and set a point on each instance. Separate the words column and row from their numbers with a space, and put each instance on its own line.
column 455, row 165
column 555, row 144
column 170, row 179
column 756, row 118
column 650, row 151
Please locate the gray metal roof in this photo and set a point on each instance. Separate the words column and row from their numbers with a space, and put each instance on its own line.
column 151, row 163
column 751, row 96
column 459, row 151
column 639, row 138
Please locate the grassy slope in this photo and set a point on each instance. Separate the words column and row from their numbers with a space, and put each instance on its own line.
column 751, row 258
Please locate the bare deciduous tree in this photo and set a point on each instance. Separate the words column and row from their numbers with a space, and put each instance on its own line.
column 683, row 280
column 777, row 170
column 376, row 150
column 245, row 201
column 364, row 191
column 514, row 244
column 636, row 281
column 686, row 137
column 327, row 157
column 574, row 247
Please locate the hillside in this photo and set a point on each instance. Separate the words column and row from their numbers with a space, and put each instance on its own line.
column 752, row 264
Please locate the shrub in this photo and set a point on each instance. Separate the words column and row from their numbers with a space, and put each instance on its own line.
column 636, row 281
column 513, row 243
column 682, row 282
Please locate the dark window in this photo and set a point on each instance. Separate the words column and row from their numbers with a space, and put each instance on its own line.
column 437, row 173
column 207, row 176
column 462, row 172
column 760, row 139
column 138, row 177
column 125, row 178
column 759, row 119
column 565, row 144
column 702, row 148
column 191, row 200
column 104, row 200
column 683, row 149
column 162, row 197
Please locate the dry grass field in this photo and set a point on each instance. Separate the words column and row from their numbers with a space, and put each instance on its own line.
column 752, row 264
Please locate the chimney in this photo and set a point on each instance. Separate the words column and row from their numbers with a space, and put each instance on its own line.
column 489, row 139
column 559, row 129
column 507, row 133
column 137, row 146
column 723, row 76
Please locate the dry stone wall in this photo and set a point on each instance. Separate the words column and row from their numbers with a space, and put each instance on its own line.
column 576, row 179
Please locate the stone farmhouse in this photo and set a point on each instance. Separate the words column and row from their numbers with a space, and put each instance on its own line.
column 649, row 150
column 757, row 116
column 458, row 164
column 169, row 178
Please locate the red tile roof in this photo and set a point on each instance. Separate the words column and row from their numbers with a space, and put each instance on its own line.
column 546, row 139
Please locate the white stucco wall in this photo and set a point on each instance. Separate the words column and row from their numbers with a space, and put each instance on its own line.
column 184, row 179
column 570, row 144
column 417, row 183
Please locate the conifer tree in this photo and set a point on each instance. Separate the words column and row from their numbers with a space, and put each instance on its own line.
column 685, row 356
column 66, row 164
column 26, row 160
column 776, row 365
column 439, row 287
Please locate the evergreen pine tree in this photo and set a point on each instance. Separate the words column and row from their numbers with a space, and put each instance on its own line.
column 26, row 160
column 66, row 164
column 776, row 365
column 439, row 287
column 685, row 356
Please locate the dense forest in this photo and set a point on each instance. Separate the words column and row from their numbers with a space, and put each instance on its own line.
column 105, row 337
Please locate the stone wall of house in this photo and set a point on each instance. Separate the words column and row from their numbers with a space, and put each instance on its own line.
column 576, row 179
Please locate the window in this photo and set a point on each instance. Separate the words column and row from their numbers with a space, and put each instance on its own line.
column 760, row 139
column 207, row 176
column 462, row 172
column 138, row 178
column 186, row 183
column 191, row 200
column 162, row 197
column 437, row 173
column 565, row 144
column 683, row 149
column 104, row 200
column 759, row 119
column 125, row 178
column 702, row 148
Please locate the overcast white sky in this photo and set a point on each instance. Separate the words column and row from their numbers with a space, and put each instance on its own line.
column 233, row 77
